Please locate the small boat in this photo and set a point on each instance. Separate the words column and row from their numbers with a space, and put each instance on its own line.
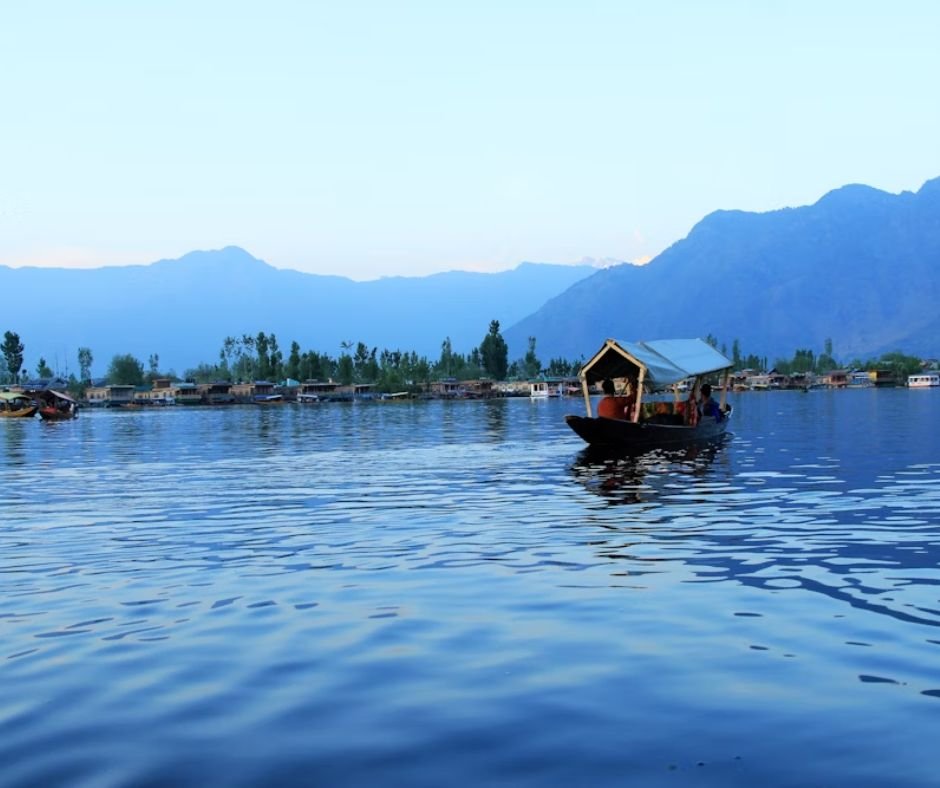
column 538, row 389
column 657, row 366
column 16, row 405
column 56, row 406
column 924, row 380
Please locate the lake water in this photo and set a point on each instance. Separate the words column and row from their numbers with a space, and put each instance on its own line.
column 455, row 593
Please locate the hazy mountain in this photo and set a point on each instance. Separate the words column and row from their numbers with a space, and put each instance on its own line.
column 860, row 266
column 183, row 309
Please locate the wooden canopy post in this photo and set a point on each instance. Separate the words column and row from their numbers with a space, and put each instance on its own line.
column 724, row 389
column 639, row 395
column 587, row 395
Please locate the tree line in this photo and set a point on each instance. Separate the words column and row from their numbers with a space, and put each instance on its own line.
column 260, row 357
column 805, row 360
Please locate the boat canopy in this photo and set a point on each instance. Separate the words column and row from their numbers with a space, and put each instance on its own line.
column 10, row 396
column 60, row 395
column 663, row 361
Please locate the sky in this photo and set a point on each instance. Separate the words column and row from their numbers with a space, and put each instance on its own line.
column 374, row 139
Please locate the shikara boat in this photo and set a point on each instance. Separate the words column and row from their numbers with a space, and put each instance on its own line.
column 56, row 406
column 16, row 405
column 654, row 369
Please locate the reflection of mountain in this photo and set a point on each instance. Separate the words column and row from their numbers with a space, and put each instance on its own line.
column 624, row 478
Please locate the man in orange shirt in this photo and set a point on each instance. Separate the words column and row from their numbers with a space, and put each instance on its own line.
column 612, row 406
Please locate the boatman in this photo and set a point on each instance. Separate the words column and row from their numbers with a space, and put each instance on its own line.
column 709, row 406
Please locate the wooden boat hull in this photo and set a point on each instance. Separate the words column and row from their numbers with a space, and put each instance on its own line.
column 643, row 436
column 54, row 414
column 22, row 413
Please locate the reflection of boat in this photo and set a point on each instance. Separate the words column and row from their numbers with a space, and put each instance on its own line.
column 16, row 405
column 56, row 406
column 654, row 366
column 628, row 478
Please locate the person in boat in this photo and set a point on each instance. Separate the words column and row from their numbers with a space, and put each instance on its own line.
column 708, row 406
column 612, row 406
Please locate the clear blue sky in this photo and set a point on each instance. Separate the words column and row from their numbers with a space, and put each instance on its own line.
column 381, row 138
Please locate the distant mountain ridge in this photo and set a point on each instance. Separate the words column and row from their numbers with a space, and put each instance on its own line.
column 860, row 266
column 182, row 309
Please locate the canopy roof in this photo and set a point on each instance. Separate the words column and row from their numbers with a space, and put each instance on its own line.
column 665, row 361
column 9, row 396
column 60, row 395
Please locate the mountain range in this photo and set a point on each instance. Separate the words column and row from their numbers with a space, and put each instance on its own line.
column 860, row 267
column 183, row 309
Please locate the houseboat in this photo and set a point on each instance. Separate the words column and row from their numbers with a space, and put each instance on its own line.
column 923, row 380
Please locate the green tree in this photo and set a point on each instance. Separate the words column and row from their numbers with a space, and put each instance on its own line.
column 345, row 369
column 446, row 363
column 531, row 361
column 264, row 360
column 494, row 353
column 126, row 370
column 825, row 362
column 42, row 369
column 84, row 363
column 900, row 364
column 275, row 359
column 360, row 360
column 204, row 373
column 292, row 368
column 153, row 364
column 12, row 350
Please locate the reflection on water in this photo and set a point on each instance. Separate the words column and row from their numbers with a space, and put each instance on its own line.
column 431, row 593
column 632, row 478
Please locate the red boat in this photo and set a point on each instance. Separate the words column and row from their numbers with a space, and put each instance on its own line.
column 56, row 406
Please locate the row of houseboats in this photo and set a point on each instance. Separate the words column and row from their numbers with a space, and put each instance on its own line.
column 46, row 398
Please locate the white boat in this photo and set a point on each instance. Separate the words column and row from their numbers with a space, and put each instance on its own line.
column 538, row 389
column 542, row 389
column 924, row 380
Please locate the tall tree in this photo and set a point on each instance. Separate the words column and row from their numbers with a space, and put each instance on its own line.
column 264, row 360
column 13, row 353
column 532, row 364
column 494, row 353
column 360, row 359
column 275, row 359
column 84, row 363
column 345, row 369
column 446, row 363
column 292, row 368
column 42, row 369
column 125, row 370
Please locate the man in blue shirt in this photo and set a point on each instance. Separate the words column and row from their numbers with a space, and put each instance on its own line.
column 709, row 406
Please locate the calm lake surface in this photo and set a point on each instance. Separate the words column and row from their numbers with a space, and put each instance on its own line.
column 457, row 593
